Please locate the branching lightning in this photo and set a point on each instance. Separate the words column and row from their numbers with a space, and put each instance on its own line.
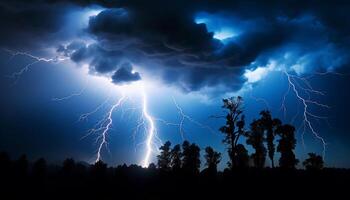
column 184, row 117
column 299, row 86
column 302, row 90
column 17, row 75
column 85, row 116
column 79, row 93
column 150, row 133
column 104, row 126
column 259, row 99
column 306, row 102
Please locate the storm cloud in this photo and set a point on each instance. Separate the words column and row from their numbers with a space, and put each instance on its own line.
column 180, row 42
column 125, row 74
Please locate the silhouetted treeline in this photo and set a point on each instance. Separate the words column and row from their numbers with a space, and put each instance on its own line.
column 184, row 171
column 266, row 135
column 173, row 178
column 261, row 136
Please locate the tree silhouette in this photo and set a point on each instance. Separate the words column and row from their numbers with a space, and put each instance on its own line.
column 152, row 167
column 314, row 162
column 212, row 159
column 191, row 158
column 270, row 126
column 40, row 168
column 5, row 163
column 99, row 169
column 80, row 170
column 233, row 128
column 68, row 166
column 186, row 154
column 242, row 158
column 255, row 137
column 176, row 158
column 164, row 158
column 21, row 165
column 286, row 146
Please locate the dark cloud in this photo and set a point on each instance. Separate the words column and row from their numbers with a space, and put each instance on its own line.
column 125, row 74
column 100, row 60
column 39, row 24
column 189, row 56
column 163, row 38
column 28, row 26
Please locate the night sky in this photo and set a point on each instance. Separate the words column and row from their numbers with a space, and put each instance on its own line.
column 62, row 59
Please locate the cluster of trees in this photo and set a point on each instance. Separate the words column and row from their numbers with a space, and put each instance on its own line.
column 186, row 157
column 262, row 136
column 21, row 167
column 262, row 130
column 177, row 175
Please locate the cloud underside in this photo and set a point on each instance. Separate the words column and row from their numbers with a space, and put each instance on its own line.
column 164, row 41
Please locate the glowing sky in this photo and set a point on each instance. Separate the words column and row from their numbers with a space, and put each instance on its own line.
column 91, row 53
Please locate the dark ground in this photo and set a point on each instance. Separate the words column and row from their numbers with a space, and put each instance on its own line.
column 97, row 182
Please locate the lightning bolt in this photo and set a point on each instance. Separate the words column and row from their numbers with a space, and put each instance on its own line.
column 184, row 117
column 300, row 86
column 106, row 128
column 103, row 126
column 306, row 102
column 79, row 93
column 303, row 91
column 260, row 99
column 36, row 59
column 85, row 116
column 148, row 122
column 151, row 132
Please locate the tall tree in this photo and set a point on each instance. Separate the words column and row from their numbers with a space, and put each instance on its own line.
column 270, row 126
column 212, row 159
column 255, row 138
column 164, row 158
column 39, row 168
column 176, row 158
column 191, row 157
column 286, row 146
column 314, row 162
column 234, row 127
column 242, row 158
